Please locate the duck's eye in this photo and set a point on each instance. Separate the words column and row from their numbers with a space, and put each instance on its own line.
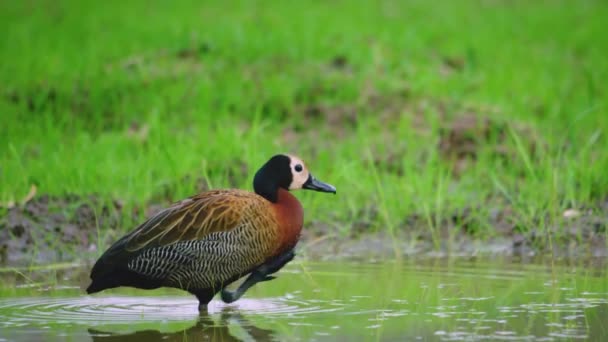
column 298, row 168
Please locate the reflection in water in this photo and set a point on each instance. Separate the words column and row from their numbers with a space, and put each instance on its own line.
column 226, row 328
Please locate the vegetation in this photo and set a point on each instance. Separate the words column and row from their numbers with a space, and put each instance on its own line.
column 483, row 117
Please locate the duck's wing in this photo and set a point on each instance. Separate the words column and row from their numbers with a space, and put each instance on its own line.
column 194, row 218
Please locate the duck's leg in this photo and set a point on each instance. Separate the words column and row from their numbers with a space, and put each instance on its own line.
column 204, row 297
column 262, row 273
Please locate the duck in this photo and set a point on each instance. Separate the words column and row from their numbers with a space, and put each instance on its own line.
column 205, row 242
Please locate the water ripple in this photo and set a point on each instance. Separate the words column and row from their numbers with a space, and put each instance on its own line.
column 123, row 309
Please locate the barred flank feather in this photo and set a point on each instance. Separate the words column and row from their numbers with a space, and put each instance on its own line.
column 202, row 264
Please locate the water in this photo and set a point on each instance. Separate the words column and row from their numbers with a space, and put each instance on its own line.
column 426, row 300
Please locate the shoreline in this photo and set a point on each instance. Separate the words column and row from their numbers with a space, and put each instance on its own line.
column 63, row 229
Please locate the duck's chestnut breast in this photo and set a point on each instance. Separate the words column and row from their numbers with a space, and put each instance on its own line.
column 290, row 218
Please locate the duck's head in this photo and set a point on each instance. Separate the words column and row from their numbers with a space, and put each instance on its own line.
column 287, row 172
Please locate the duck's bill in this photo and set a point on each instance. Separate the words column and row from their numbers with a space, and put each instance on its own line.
column 313, row 184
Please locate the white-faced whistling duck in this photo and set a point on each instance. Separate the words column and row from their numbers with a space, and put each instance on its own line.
column 205, row 242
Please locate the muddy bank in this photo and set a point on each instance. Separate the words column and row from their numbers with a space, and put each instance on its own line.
column 51, row 229
column 379, row 246
column 48, row 228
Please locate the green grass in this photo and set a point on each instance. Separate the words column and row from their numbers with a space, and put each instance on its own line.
column 140, row 101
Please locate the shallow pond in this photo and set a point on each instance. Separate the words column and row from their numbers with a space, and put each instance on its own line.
column 428, row 300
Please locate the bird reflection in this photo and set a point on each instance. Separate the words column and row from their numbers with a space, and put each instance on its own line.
column 225, row 329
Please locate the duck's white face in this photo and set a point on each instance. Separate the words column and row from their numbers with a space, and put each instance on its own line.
column 299, row 173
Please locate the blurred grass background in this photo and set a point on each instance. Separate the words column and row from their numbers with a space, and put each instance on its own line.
column 410, row 108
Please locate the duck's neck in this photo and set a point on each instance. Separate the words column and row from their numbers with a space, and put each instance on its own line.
column 267, row 190
column 291, row 217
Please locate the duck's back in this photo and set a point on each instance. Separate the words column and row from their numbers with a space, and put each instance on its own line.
column 205, row 241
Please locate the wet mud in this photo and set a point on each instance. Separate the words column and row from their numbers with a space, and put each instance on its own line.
column 50, row 228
